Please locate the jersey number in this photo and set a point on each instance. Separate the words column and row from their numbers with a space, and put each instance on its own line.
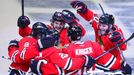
column 62, row 55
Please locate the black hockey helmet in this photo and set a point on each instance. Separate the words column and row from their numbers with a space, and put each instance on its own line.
column 74, row 33
column 23, row 21
column 57, row 16
column 68, row 16
column 39, row 29
column 106, row 19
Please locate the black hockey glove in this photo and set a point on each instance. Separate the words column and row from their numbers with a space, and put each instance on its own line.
column 54, row 34
column 46, row 42
column 126, row 68
column 73, row 24
column 116, row 37
column 36, row 65
column 80, row 6
column 89, row 61
column 13, row 43
column 16, row 72
column 23, row 21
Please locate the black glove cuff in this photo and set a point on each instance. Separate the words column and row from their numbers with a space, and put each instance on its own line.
column 36, row 66
column 13, row 43
column 89, row 61
column 46, row 42
column 126, row 68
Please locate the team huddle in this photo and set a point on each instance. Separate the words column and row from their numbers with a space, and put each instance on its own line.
column 57, row 49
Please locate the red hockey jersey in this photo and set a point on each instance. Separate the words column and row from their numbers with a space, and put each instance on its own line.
column 107, row 44
column 21, row 56
column 92, row 49
column 61, row 60
column 28, row 49
column 18, row 63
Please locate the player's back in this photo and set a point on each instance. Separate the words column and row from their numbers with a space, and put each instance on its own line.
column 81, row 48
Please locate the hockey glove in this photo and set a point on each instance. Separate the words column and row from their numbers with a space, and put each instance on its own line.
column 89, row 61
column 23, row 21
column 13, row 43
column 54, row 34
column 36, row 65
column 126, row 68
column 16, row 72
column 46, row 42
column 73, row 24
column 80, row 6
column 116, row 37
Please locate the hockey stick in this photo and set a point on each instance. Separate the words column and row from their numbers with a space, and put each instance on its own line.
column 5, row 57
column 22, row 7
column 131, row 37
column 101, row 9
column 121, row 54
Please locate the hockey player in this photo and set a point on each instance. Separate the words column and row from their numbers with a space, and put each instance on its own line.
column 30, row 47
column 106, row 32
column 57, row 25
column 93, row 49
column 61, row 60
column 17, row 49
column 71, row 20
